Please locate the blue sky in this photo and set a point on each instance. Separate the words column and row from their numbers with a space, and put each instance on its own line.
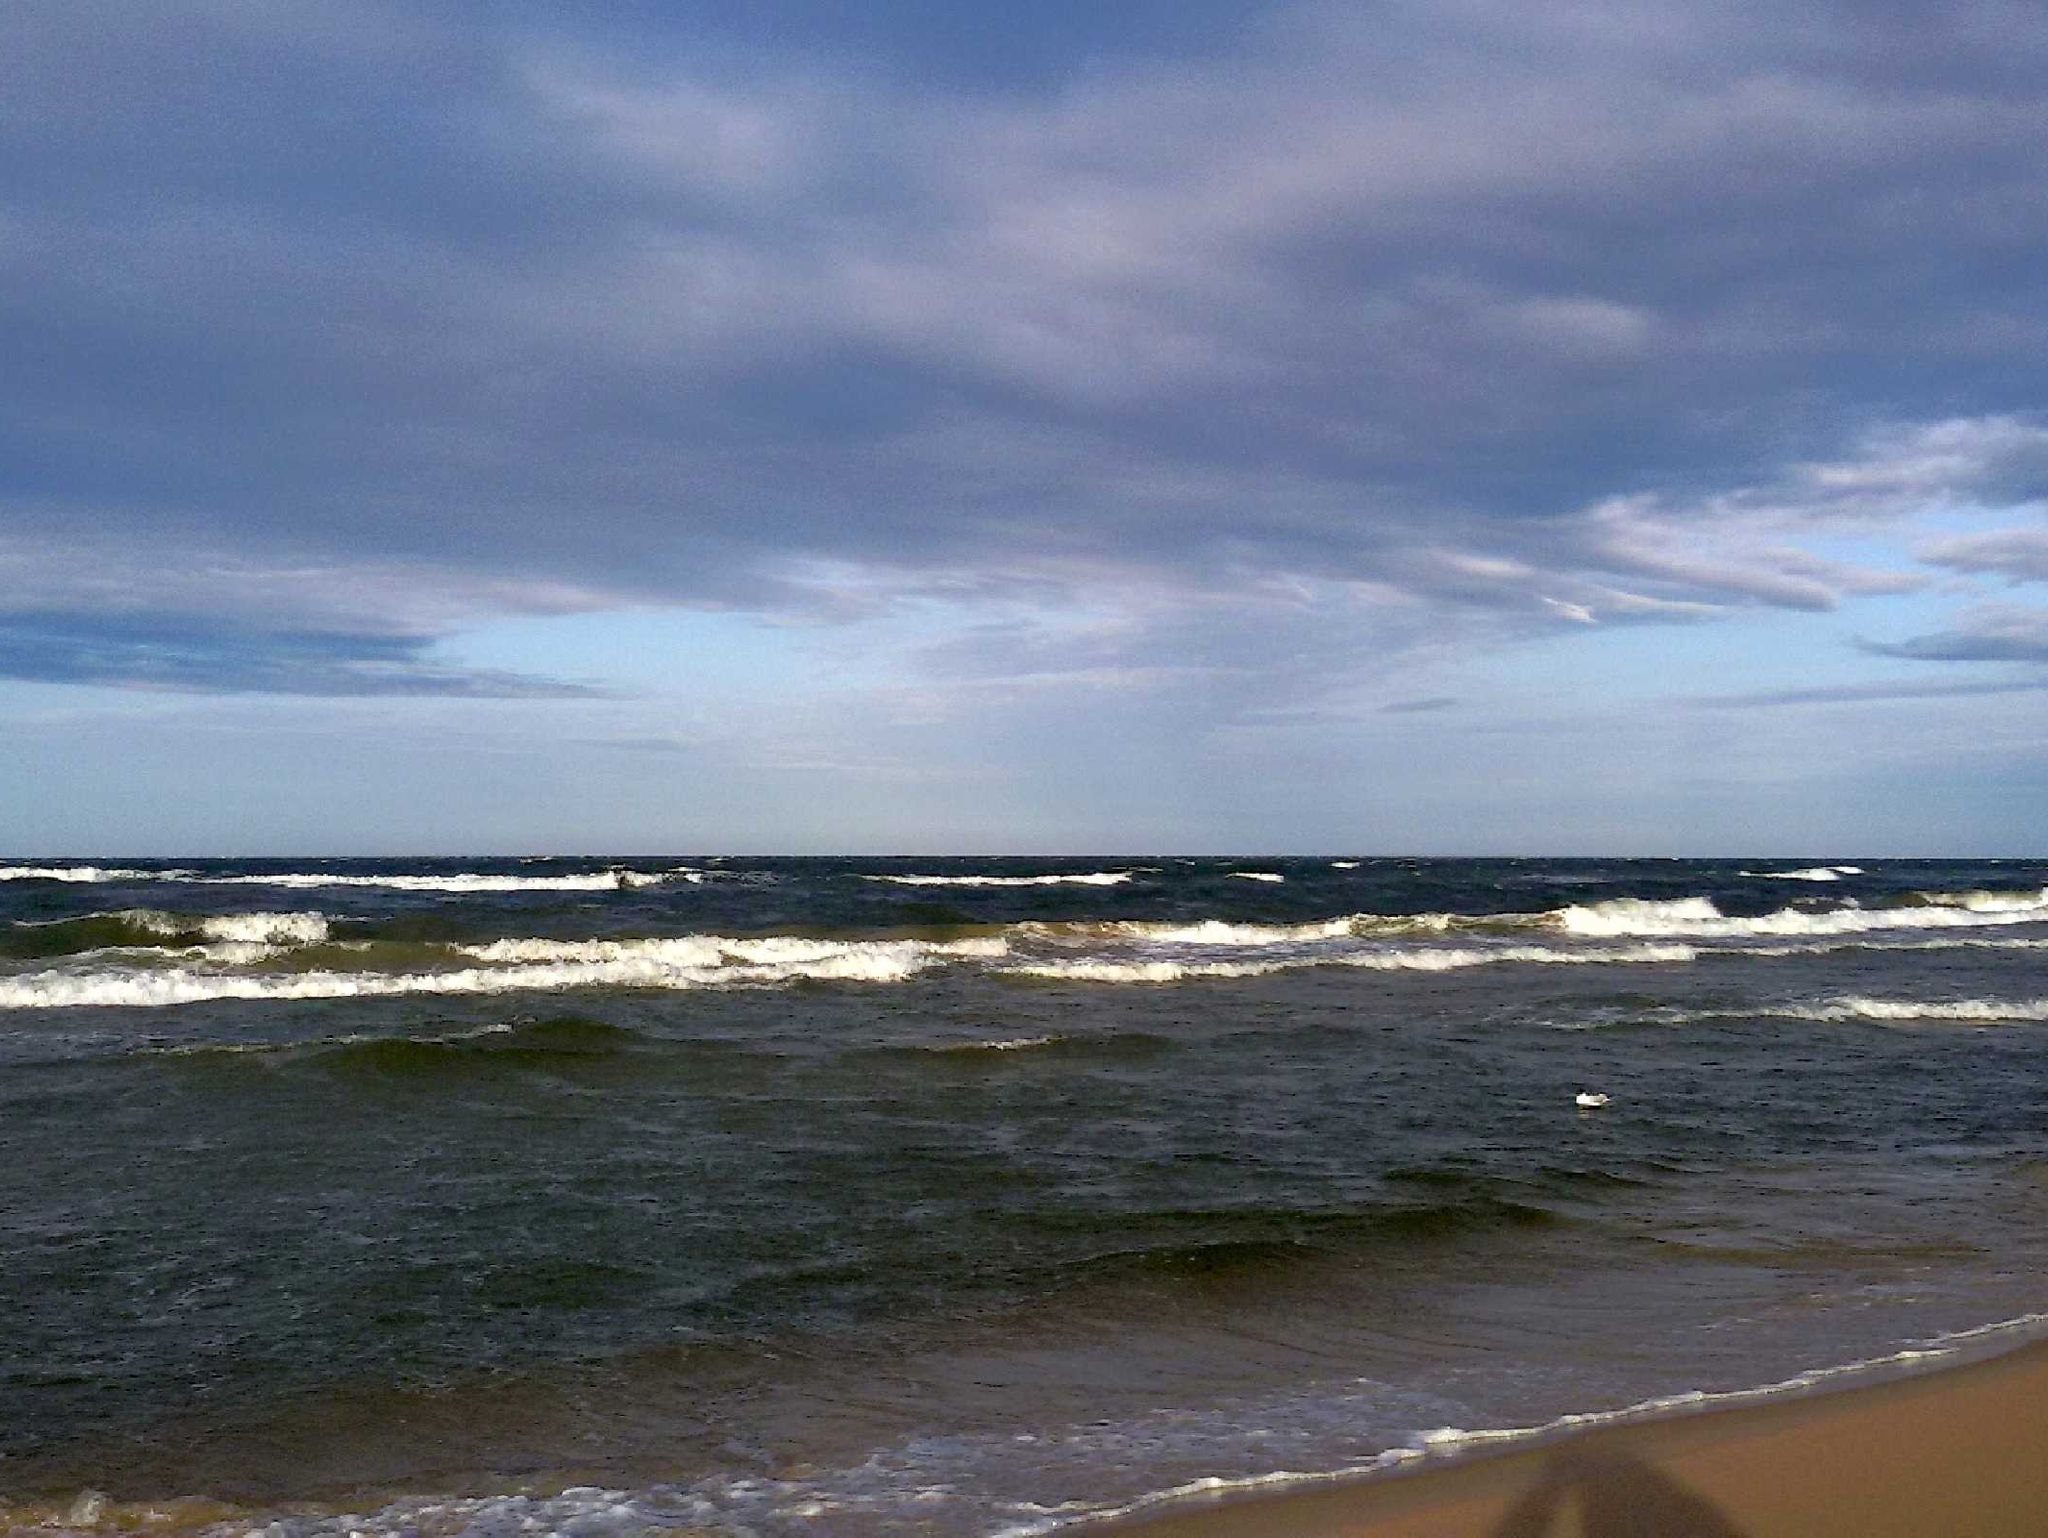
column 1448, row 427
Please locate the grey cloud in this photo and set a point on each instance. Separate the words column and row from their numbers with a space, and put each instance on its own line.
column 2020, row 554
column 1480, row 310
column 1851, row 694
column 1412, row 707
column 1996, row 633
column 177, row 654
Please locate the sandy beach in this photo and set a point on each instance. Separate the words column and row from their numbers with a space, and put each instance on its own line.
column 1954, row 1451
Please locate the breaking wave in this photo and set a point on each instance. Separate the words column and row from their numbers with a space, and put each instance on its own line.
column 1084, row 878
column 1699, row 918
column 613, row 879
column 250, row 928
column 1388, row 959
column 146, row 928
column 458, row 881
column 88, row 873
column 528, row 965
column 1857, row 1007
column 1809, row 873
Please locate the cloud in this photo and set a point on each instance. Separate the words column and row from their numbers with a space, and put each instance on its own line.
column 2018, row 554
column 1473, row 321
column 1992, row 633
column 176, row 654
column 1853, row 694
column 1416, row 707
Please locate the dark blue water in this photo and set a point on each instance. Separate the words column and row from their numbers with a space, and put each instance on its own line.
column 966, row 1196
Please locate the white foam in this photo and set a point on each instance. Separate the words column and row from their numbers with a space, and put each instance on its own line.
column 87, row 873
column 1990, row 902
column 1217, row 932
column 1636, row 915
column 1258, row 875
column 1084, row 878
column 1698, row 918
column 1343, row 865
column 456, row 881
column 1385, row 959
column 1810, row 873
column 715, row 950
column 533, row 965
column 1858, row 1007
column 252, row 928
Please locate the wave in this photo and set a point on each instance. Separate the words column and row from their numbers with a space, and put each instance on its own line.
column 1988, row 902
column 250, row 928
column 1699, row 918
column 1859, row 1007
column 458, row 881
column 613, row 879
column 1390, row 959
column 1219, row 932
column 1084, row 878
column 1809, row 873
column 1258, row 875
column 84, row 873
column 534, row 966
column 223, row 936
column 716, row 950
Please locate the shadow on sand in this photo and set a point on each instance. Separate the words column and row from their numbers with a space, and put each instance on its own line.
column 1618, row 1496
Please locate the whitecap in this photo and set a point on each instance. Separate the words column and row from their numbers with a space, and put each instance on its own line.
column 1383, row 959
column 529, row 965
column 455, row 881
column 1084, row 878
column 1698, row 918
column 81, row 873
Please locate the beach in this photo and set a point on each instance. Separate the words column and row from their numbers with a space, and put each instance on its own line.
column 1952, row 1451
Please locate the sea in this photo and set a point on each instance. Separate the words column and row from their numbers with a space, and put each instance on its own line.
column 970, row 1196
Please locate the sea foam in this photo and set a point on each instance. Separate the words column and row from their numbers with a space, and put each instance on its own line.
column 1383, row 959
column 84, row 873
column 529, row 965
column 1698, row 918
column 1083, row 878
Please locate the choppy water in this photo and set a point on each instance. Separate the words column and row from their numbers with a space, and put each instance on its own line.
column 966, row 1196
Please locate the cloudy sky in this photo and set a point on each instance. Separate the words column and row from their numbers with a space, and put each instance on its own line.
column 1433, row 425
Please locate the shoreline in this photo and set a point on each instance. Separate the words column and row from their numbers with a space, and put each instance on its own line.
column 1949, row 1446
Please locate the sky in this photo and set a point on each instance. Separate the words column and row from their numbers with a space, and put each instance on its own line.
column 1436, row 426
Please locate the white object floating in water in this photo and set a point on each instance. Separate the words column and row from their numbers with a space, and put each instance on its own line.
column 1588, row 1101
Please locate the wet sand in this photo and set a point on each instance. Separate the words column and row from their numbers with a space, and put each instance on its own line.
column 1954, row 1451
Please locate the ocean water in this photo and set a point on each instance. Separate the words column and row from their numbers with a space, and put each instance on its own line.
column 968, row 1196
